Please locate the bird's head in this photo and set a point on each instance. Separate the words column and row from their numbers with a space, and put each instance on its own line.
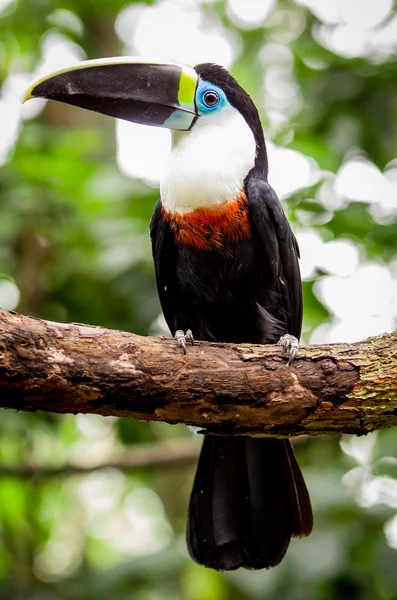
column 152, row 93
column 217, row 132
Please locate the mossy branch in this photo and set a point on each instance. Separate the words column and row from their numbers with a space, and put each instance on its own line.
column 223, row 388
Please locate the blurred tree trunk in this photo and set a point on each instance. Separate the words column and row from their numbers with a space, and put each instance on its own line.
column 32, row 248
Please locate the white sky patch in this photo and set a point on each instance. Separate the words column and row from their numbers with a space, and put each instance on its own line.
column 327, row 195
column 58, row 52
column 276, row 54
column 12, row 111
column 277, row 122
column 360, row 448
column 142, row 151
column 94, row 426
column 159, row 326
column 350, row 41
column 310, row 245
column 337, row 257
column 102, row 490
column 326, row 11
column 66, row 545
column 367, row 488
column 346, row 40
column 360, row 180
column 67, row 20
column 281, row 92
column 378, row 490
column 290, row 170
column 10, row 118
column 145, row 516
column 249, row 14
column 191, row 37
column 370, row 490
column 385, row 210
column 391, row 532
column 370, row 34
column 384, row 39
column 365, row 14
column 15, row 86
column 127, row 20
column 4, row 4
column 355, row 27
column 135, row 523
column 362, row 304
column 369, row 291
column 9, row 294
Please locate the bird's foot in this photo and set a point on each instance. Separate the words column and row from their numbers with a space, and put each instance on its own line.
column 182, row 338
column 290, row 344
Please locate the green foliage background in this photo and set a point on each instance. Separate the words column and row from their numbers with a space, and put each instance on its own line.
column 74, row 238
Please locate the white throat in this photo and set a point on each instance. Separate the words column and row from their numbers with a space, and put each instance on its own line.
column 207, row 165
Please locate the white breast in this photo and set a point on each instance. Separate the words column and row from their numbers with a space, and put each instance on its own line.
column 208, row 165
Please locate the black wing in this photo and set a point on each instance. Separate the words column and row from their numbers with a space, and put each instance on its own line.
column 163, row 250
column 281, row 250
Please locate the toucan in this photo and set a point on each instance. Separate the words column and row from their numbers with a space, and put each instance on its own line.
column 227, row 270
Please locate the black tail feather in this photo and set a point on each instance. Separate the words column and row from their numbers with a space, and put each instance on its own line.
column 268, row 519
column 299, row 497
column 212, row 527
column 248, row 499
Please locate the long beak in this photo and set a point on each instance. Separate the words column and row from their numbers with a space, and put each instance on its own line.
column 129, row 88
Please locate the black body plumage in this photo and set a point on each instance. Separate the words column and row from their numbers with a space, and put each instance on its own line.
column 249, row 496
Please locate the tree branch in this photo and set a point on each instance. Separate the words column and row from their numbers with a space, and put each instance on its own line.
column 224, row 388
column 161, row 454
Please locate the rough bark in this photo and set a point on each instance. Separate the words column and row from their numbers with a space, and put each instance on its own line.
column 223, row 388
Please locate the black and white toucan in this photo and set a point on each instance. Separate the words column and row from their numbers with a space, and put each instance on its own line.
column 227, row 270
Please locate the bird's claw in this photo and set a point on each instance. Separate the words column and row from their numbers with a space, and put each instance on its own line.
column 182, row 338
column 290, row 344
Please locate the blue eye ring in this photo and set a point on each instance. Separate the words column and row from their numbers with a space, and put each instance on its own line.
column 210, row 98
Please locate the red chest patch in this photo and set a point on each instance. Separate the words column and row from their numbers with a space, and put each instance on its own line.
column 208, row 228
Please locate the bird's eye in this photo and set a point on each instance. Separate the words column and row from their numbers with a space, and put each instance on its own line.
column 211, row 98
